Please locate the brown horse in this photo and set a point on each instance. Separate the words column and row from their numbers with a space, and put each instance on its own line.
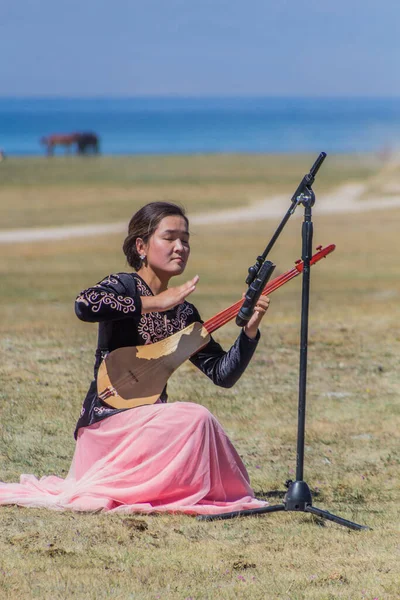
column 59, row 139
column 85, row 142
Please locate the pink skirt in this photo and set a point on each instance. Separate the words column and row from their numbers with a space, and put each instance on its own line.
column 160, row 458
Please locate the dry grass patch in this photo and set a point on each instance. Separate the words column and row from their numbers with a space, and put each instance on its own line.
column 352, row 453
column 42, row 192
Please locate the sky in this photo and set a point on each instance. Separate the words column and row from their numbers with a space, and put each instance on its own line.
column 199, row 48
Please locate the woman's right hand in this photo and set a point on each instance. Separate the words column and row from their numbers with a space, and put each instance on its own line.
column 170, row 298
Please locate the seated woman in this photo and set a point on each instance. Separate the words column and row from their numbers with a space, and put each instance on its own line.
column 156, row 457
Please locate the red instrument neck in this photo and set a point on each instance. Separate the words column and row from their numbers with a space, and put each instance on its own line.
column 230, row 313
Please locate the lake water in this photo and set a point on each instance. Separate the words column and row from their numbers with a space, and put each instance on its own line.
column 205, row 125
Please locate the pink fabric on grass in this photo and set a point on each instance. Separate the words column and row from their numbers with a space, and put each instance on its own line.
column 159, row 458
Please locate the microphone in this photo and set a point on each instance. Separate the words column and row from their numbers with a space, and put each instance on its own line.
column 254, row 292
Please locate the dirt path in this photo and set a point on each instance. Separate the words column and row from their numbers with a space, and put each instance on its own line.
column 347, row 198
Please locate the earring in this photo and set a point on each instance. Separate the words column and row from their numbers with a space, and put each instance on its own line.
column 142, row 256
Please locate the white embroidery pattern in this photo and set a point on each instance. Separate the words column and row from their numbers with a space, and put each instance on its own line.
column 100, row 410
column 110, row 280
column 142, row 287
column 96, row 299
column 182, row 313
column 156, row 326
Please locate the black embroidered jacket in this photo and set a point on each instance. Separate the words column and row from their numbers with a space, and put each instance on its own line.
column 116, row 305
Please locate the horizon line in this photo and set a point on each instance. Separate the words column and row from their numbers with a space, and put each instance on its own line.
column 195, row 97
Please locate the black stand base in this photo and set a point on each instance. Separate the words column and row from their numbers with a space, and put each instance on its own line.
column 298, row 499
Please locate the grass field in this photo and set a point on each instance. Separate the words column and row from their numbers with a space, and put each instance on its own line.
column 65, row 191
column 352, row 453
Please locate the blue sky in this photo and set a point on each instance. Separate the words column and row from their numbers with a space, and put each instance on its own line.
column 205, row 47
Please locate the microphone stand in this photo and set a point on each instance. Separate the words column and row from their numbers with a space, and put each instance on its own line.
column 298, row 497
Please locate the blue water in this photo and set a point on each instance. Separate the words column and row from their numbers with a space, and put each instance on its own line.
column 202, row 125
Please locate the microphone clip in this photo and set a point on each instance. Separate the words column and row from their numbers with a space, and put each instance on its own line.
column 254, row 291
column 253, row 271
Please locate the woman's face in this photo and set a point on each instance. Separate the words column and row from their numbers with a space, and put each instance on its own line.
column 167, row 251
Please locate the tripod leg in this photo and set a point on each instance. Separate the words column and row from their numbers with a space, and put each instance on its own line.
column 330, row 517
column 241, row 513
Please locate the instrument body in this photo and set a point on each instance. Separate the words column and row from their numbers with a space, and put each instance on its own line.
column 136, row 375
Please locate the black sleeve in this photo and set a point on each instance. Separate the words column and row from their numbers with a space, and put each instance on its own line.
column 115, row 297
column 225, row 368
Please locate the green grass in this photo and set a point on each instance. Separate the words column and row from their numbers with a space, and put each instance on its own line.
column 352, row 455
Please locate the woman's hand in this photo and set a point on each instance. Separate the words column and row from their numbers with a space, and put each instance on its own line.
column 259, row 311
column 170, row 298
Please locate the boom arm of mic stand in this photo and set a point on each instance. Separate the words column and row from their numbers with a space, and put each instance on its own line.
column 306, row 183
column 304, row 189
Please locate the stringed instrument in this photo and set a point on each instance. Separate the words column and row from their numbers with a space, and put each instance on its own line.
column 136, row 375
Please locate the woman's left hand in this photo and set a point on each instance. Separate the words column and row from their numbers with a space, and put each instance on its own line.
column 259, row 311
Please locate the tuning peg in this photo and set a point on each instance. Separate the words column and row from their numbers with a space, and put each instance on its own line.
column 297, row 262
column 319, row 248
